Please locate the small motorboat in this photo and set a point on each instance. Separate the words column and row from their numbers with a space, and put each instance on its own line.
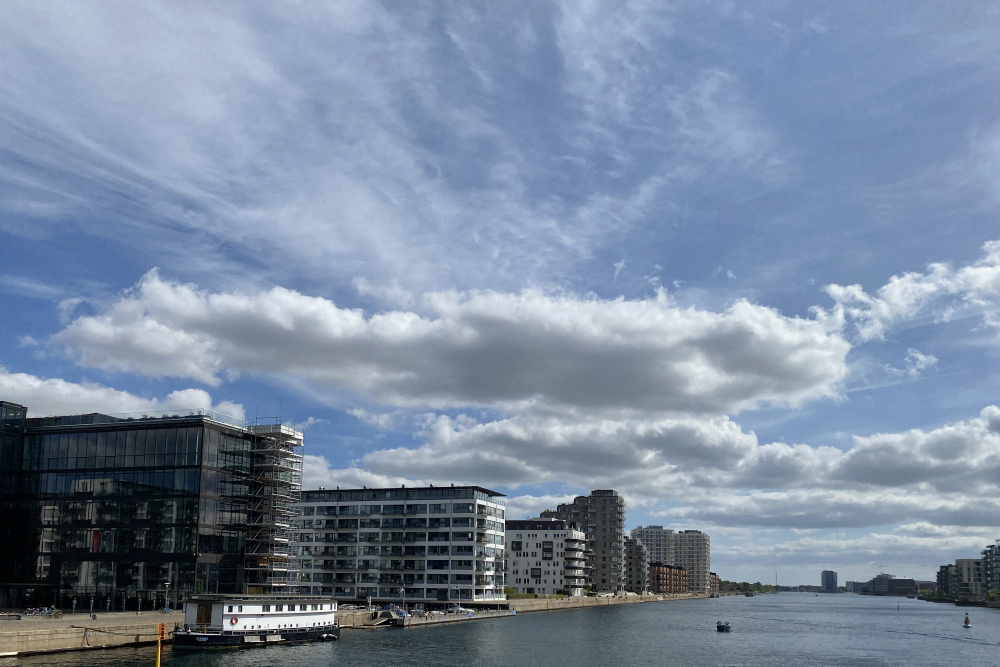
column 723, row 627
column 967, row 624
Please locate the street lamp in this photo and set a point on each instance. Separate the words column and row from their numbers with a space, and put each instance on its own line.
column 167, row 586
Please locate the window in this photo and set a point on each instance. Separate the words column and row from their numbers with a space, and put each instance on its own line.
column 265, row 608
column 230, row 609
column 279, row 607
column 240, row 609
column 536, row 571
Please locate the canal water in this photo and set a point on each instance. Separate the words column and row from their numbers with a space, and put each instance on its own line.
column 786, row 630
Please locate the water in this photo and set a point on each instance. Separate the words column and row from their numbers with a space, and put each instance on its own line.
column 788, row 630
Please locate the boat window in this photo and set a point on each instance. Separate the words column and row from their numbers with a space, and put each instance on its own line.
column 265, row 608
column 230, row 609
column 291, row 607
column 240, row 609
column 279, row 607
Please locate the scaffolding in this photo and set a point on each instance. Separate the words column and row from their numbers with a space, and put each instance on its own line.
column 275, row 488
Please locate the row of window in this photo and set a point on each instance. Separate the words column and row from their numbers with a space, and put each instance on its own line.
column 368, row 510
column 265, row 609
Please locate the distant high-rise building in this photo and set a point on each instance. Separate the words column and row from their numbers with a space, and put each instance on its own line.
column 602, row 516
column 828, row 582
column 693, row 552
column 659, row 543
column 688, row 549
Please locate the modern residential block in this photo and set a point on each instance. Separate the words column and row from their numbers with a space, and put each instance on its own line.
column 667, row 579
column 546, row 556
column 689, row 549
column 427, row 544
column 693, row 552
column 828, row 582
column 636, row 566
column 660, row 543
column 602, row 516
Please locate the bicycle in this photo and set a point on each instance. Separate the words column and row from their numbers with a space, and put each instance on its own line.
column 166, row 610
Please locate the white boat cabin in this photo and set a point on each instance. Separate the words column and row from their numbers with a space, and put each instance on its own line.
column 258, row 613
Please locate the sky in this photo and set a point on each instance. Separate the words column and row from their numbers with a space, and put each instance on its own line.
column 739, row 262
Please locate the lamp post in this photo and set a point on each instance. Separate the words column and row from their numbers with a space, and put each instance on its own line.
column 166, row 584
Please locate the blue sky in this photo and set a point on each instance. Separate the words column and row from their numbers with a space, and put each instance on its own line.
column 737, row 261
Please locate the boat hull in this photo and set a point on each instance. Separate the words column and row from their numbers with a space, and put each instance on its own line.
column 197, row 640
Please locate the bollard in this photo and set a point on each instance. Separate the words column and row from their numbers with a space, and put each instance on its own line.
column 161, row 634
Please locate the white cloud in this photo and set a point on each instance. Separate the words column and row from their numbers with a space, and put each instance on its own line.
column 316, row 473
column 939, row 294
column 618, row 267
column 528, row 507
column 391, row 294
column 491, row 349
column 311, row 421
column 53, row 396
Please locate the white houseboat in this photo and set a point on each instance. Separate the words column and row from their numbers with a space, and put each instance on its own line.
column 256, row 620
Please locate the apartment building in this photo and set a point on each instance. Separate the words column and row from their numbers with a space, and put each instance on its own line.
column 546, row 556
column 693, row 552
column 428, row 544
column 667, row 579
column 971, row 577
column 602, row 516
column 659, row 542
column 828, row 581
column 636, row 566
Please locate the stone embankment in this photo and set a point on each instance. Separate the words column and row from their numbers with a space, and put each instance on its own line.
column 75, row 632
column 361, row 619
column 539, row 604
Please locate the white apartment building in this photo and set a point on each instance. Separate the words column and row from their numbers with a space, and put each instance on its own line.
column 425, row 545
column 546, row 556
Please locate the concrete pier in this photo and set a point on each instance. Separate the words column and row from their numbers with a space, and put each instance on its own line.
column 77, row 632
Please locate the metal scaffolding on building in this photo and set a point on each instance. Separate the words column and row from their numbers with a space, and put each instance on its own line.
column 275, row 488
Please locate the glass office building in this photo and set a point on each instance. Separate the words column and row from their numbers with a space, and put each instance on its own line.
column 130, row 510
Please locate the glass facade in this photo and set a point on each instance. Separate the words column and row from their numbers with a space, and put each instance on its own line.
column 112, row 510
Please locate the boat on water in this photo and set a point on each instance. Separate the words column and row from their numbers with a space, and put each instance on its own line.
column 723, row 627
column 967, row 624
column 749, row 594
column 213, row 621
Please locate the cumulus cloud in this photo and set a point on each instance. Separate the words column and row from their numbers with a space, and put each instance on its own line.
column 712, row 471
column 939, row 294
column 317, row 472
column 491, row 349
column 54, row 396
